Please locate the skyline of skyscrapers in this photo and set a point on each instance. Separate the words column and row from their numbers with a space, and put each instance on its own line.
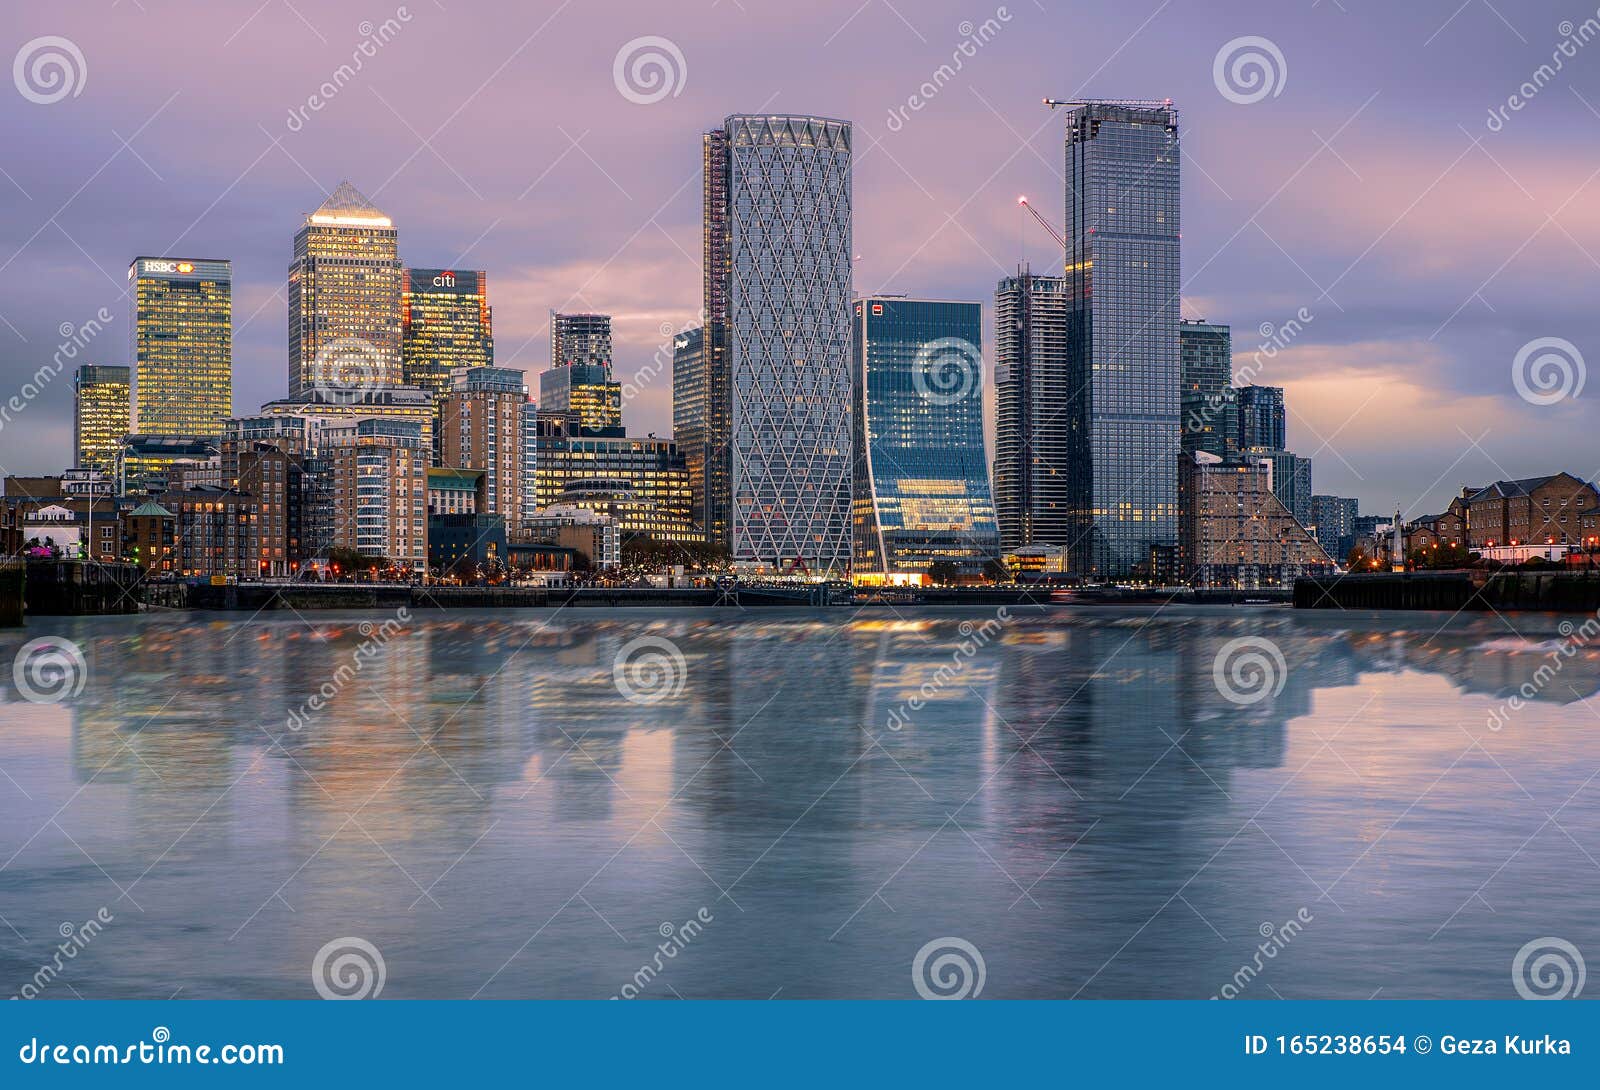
column 182, row 334
column 101, row 408
column 344, row 300
column 921, row 481
column 778, row 287
column 1123, row 289
column 789, row 399
column 446, row 323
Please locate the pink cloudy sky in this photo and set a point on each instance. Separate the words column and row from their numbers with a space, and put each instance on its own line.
column 1370, row 190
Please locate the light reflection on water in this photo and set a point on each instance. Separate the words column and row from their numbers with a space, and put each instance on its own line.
column 1074, row 797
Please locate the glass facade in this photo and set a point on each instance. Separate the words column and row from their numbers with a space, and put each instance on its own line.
column 445, row 323
column 580, row 338
column 585, row 389
column 1123, row 284
column 778, row 288
column 650, row 471
column 1262, row 418
column 1210, row 417
column 1291, row 479
column 690, row 427
column 921, row 480
column 100, row 417
column 344, row 300
column 1031, row 424
column 182, row 346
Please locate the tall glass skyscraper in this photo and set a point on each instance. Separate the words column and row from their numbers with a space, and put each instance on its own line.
column 579, row 379
column 778, row 265
column 182, row 346
column 580, row 338
column 445, row 323
column 344, row 300
column 1123, row 286
column 100, row 415
column 1031, row 424
column 1262, row 417
column 921, row 479
column 1210, row 419
column 690, row 401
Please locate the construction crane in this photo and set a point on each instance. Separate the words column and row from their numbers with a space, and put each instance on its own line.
column 1125, row 103
column 1046, row 224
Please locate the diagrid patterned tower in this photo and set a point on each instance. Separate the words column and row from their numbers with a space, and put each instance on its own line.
column 777, row 302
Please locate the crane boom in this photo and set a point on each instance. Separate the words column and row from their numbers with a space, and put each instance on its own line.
column 1046, row 224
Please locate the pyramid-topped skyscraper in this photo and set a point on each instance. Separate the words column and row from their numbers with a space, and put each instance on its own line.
column 344, row 301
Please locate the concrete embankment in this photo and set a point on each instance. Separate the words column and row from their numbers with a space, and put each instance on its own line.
column 72, row 588
column 1453, row 591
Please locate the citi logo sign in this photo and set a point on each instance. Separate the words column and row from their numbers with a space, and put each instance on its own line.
column 445, row 280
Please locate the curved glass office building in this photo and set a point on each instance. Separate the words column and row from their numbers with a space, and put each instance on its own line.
column 776, row 456
column 921, row 478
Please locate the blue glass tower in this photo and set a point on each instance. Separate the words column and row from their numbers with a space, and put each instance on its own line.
column 921, row 481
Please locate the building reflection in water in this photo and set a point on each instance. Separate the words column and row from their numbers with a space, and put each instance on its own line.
column 824, row 780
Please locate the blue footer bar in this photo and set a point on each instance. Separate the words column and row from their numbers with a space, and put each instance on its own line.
column 795, row 1044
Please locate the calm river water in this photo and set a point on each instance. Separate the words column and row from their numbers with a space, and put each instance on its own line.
column 1095, row 802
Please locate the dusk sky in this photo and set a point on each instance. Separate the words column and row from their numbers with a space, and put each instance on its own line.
column 1427, row 241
